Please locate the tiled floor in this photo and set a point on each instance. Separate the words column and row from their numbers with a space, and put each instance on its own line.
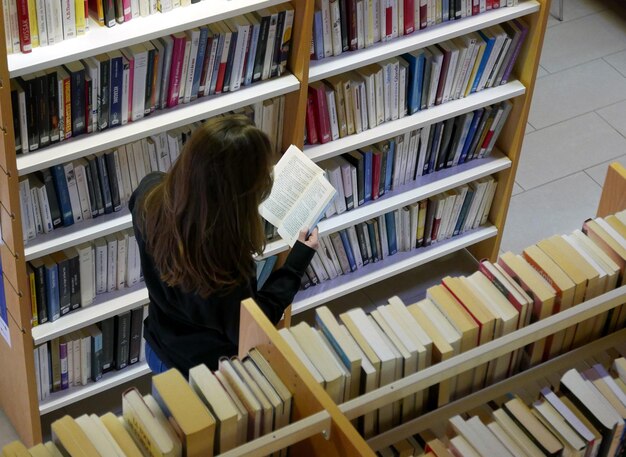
column 577, row 126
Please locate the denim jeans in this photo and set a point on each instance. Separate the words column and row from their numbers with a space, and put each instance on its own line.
column 154, row 362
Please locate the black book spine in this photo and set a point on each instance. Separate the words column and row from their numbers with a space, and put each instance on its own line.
column 107, row 327
column 43, row 111
column 136, row 325
column 261, row 48
column 429, row 147
column 362, row 244
column 371, row 231
column 40, row 293
column 77, row 84
column 113, row 184
column 55, row 210
column 109, row 13
column 458, row 12
column 360, row 175
column 16, row 122
column 278, row 43
column 105, row 88
column 122, row 335
column 343, row 12
column 96, row 354
column 53, row 107
column 90, row 125
column 97, row 189
column 64, row 287
column 92, row 195
column 149, row 79
column 383, row 172
column 74, row 264
column 119, row 11
column 32, row 113
column 103, row 176
column 229, row 62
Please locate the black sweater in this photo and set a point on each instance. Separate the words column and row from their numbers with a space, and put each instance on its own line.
column 185, row 329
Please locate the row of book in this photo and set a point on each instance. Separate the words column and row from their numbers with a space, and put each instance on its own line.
column 103, row 183
column 423, row 223
column 347, row 25
column 399, row 86
column 580, row 412
column 462, row 313
column 368, row 173
column 71, row 279
column 210, row 413
column 84, row 355
column 121, row 86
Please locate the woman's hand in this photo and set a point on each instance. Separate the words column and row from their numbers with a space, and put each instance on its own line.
column 312, row 240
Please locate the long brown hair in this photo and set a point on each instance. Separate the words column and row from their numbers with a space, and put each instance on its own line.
column 201, row 223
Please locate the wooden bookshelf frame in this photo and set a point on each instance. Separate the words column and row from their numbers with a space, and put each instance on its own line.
column 18, row 392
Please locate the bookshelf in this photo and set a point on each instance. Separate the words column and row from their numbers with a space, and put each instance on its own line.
column 20, row 401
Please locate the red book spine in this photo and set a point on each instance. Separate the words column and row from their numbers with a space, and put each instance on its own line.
column 442, row 77
column 489, row 5
column 376, row 165
column 435, row 231
column 503, row 290
column 352, row 25
column 321, row 114
column 475, row 7
column 423, row 14
column 178, row 54
column 409, row 16
column 468, row 309
column 127, row 10
column 388, row 20
column 311, row 128
column 221, row 74
column 24, row 25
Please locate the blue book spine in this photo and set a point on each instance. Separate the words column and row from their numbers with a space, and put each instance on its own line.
column 470, row 135
column 421, row 63
column 445, row 11
column 333, row 342
column 392, row 242
column 463, row 213
column 348, row 248
column 318, row 36
column 412, row 96
column 389, row 170
column 372, row 235
column 117, row 81
column 63, row 195
column 52, row 292
column 483, row 61
column 435, row 146
column 367, row 155
column 254, row 41
column 204, row 35
column 216, row 65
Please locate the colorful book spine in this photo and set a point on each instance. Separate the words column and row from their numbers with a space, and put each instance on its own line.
column 178, row 54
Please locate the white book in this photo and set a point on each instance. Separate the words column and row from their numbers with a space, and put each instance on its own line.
column 44, row 368
column 493, row 56
column 69, row 19
column 72, row 188
column 92, row 69
column 111, row 243
column 354, row 242
column 271, row 36
column 184, row 73
column 87, row 286
column 326, row 259
column 152, row 154
column 479, row 188
column 122, row 158
column 335, row 20
column 126, row 95
column 101, row 265
column 13, row 26
column 332, row 170
column 83, row 190
column 44, row 206
column 435, row 72
column 42, row 29
column 205, row 84
column 38, row 374
column 34, row 194
column 324, row 7
column 144, row 8
column 140, row 56
column 403, row 69
column 163, row 153
column 332, row 112
column 134, row 261
column 384, row 238
column 243, row 29
column 360, row 25
column 193, row 40
column 54, row 21
column 376, row 19
column 122, row 240
column 452, row 69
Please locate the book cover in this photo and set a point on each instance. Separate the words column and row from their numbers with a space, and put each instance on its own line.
column 122, row 340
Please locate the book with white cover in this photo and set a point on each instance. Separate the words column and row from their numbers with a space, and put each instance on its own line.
column 299, row 196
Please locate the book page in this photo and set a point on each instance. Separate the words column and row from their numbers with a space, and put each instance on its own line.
column 299, row 195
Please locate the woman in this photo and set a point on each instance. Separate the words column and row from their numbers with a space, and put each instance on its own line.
column 197, row 228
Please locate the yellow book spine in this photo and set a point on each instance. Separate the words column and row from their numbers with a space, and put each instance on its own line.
column 479, row 57
column 80, row 16
column 32, row 22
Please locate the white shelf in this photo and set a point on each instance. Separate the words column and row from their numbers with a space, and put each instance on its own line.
column 157, row 122
column 392, row 265
column 139, row 30
column 320, row 69
column 103, row 307
column 78, row 233
column 420, row 119
column 64, row 398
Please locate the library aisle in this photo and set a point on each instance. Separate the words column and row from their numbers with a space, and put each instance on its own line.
column 577, row 126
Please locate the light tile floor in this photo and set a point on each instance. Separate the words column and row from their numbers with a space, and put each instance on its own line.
column 577, row 126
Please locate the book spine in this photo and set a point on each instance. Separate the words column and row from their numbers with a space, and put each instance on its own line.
column 40, row 293
column 96, row 356
column 136, row 325
column 392, row 241
column 122, row 334
column 103, row 177
column 176, row 71
column 348, row 248
column 64, row 287
column 62, row 194
column 24, row 26
column 52, row 292
column 64, row 365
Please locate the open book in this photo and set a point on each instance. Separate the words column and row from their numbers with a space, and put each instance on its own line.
column 299, row 197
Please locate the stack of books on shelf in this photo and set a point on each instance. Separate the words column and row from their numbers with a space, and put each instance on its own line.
column 112, row 89
column 102, row 183
column 420, row 224
column 347, row 25
column 366, row 351
column 353, row 102
column 210, row 413
column 580, row 412
column 84, row 355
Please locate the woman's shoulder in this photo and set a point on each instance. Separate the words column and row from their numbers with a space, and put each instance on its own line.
column 146, row 184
